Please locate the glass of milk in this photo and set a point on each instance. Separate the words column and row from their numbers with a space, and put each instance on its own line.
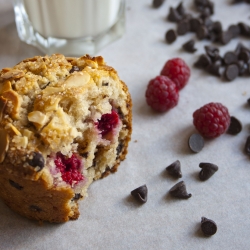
column 70, row 27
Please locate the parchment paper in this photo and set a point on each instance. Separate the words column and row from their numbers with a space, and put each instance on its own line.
column 110, row 218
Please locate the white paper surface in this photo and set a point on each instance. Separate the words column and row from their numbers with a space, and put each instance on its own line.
column 110, row 218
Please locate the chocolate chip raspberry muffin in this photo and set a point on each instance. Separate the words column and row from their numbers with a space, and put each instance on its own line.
column 64, row 122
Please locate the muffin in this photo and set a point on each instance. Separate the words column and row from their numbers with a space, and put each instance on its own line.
column 64, row 122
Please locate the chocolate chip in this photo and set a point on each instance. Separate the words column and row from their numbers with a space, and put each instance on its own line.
column 105, row 84
column 174, row 169
column 244, row 29
column 235, row 126
column 85, row 154
column 235, row 30
column 194, row 24
column 207, row 170
column 207, row 22
column 189, row 46
column 157, row 3
column 173, row 15
column 205, row 13
column 242, row 67
column 212, row 52
column 248, row 101
column 179, row 191
column 202, row 32
column 208, row 227
column 35, row 208
column 203, row 62
column 119, row 148
column 140, row 193
column 239, row 48
column 36, row 160
column 73, row 69
column 170, row 36
column 183, row 27
column 244, row 56
column 214, row 68
column 247, row 145
column 196, row 143
column 15, row 185
column 231, row 72
column 180, row 9
column 76, row 197
column 225, row 37
column 230, row 57
column 217, row 27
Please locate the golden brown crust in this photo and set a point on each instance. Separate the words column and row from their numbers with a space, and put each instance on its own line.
column 44, row 109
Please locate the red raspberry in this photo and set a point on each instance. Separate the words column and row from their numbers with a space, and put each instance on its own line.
column 178, row 71
column 107, row 122
column 69, row 168
column 211, row 120
column 162, row 94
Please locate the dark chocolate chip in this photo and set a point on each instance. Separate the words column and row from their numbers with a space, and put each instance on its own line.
column 214, row 68
column 120, row 113
column 217, row 27
column 244, row 56
column 105, row 84
column 231, row 72
column 207, row 22
column 208, row 227
column 36, row 160
column 179, row 191
column 212, row 52
column 119, row 148
column 235, row 126
column 207, row 170
column 242, row 67
column 180, row 9
column 35, row 208
column 173, row 15
column 244, row 29
column 205, row 12
column 247, row 145
column 85, row 154
column 239, row 48
column 183, row 27
column 202, row 32
column 189, row 46
column 225, row 37
column 248, row 101
column 157, row 3
column 73, row 69
column 174, row 169
column 196, row 143
column 210, row 5
column 235, row 30
column 76, row 197
column 194, row 24
column 15, row 185
column 140, row 193
column 230, row 57
column 170, row 36
column 203, row 62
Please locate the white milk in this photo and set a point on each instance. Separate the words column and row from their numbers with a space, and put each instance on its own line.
column 71, row 19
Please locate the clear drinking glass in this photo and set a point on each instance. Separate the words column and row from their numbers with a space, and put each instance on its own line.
column 70, row 27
